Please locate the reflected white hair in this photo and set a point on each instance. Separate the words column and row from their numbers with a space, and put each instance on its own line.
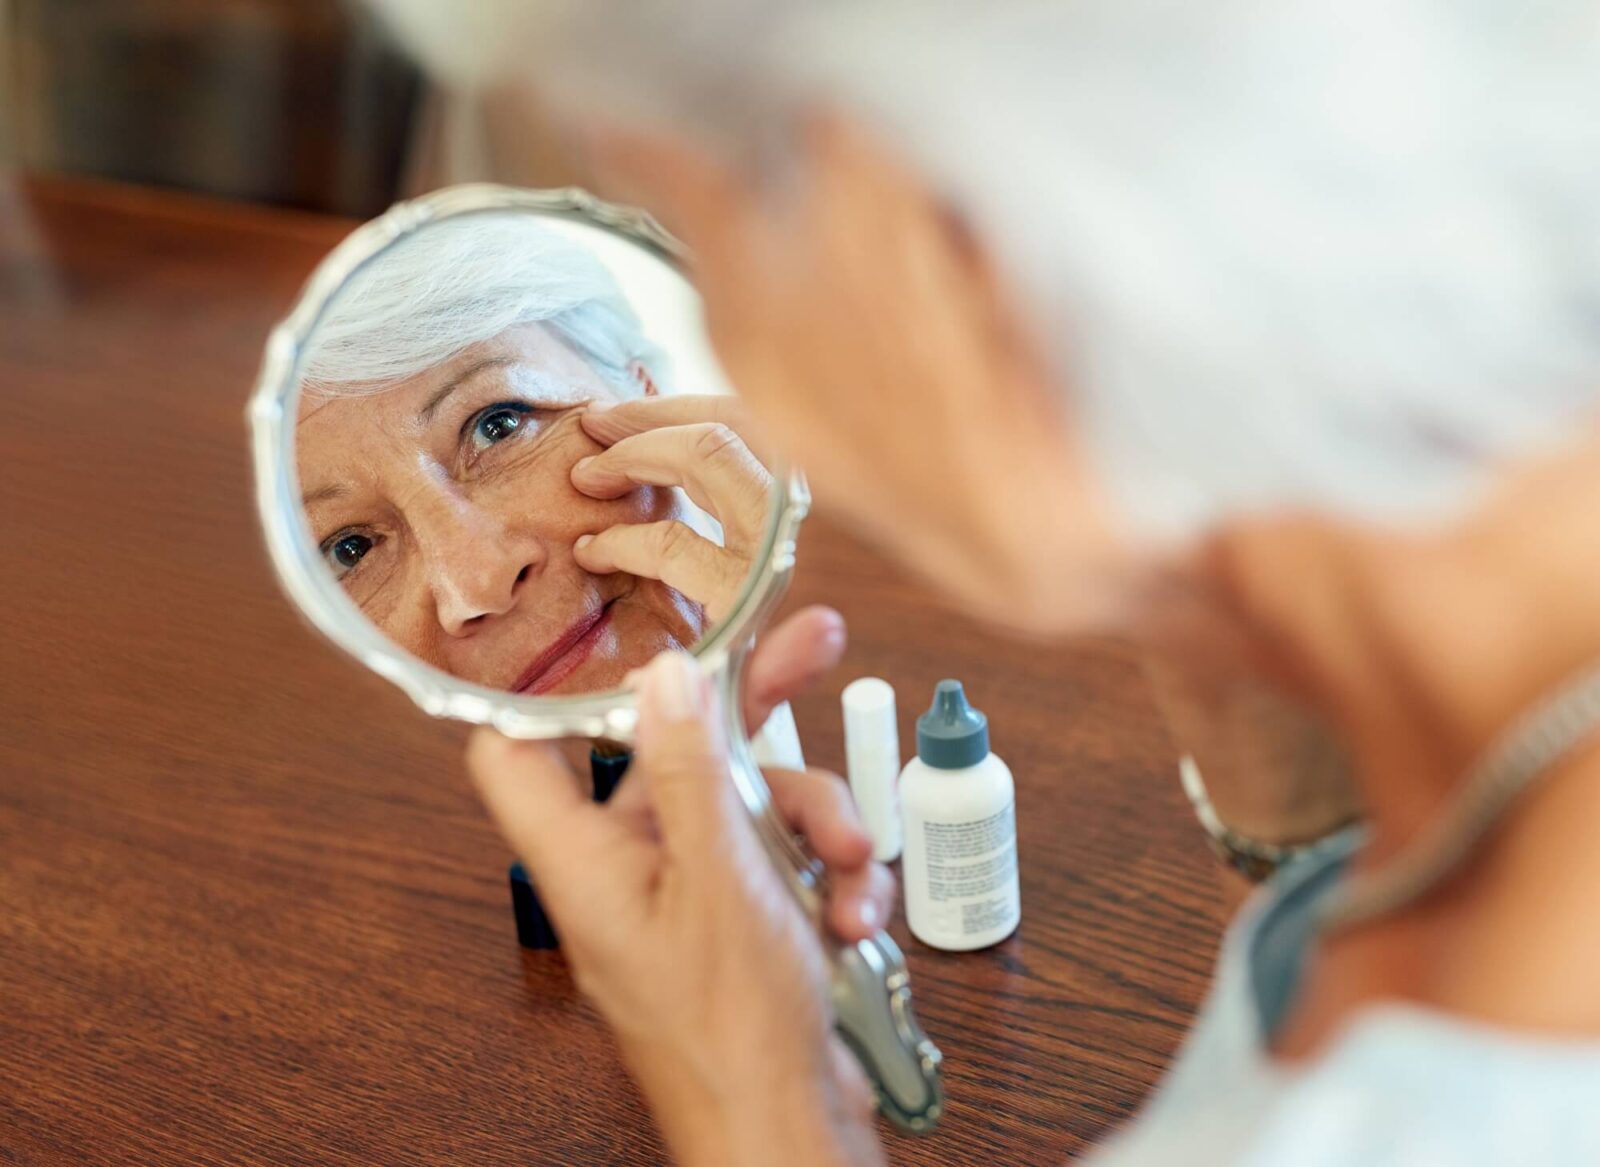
column 456, row 282
column 1340, row 254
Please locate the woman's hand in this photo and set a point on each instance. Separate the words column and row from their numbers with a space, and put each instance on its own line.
column 693, row 442
column 785, row 662
column 679, row 930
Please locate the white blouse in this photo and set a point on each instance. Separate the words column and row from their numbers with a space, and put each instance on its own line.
column 1402, row 1086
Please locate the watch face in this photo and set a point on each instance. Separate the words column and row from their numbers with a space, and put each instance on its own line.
column 1255, row 861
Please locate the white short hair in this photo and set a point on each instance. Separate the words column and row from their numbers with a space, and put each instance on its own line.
column 1336, row 254
column 464, row 280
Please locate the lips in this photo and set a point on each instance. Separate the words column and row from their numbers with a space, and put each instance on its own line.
column 574, row 646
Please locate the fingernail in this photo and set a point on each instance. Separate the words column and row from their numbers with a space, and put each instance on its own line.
column 583, row 541
column 867, row 913
column 675, row 686
column 581, row 463
column 598, row 406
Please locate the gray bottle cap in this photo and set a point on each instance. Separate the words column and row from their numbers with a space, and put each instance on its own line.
column 952, row 735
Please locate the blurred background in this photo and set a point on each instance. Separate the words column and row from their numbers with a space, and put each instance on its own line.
column 299, row 103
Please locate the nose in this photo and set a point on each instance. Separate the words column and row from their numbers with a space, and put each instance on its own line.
column 477, row 568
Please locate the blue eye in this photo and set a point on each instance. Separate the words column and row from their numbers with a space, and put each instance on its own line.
column 344, row 551
column 496, row 424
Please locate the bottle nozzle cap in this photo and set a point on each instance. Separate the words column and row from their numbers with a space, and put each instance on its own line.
column 952, row 735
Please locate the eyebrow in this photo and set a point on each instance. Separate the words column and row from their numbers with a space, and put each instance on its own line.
column 432, row 405
column 552, row 389
column 323, row 494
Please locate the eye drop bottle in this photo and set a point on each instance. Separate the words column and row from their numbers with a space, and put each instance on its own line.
column 958, row 805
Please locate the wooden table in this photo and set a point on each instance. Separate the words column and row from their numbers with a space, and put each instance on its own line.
column 250, row 911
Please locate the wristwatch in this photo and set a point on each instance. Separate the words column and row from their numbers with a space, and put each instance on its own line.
column 1252, row 858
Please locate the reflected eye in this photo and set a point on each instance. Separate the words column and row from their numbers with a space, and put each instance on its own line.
column 345, row 550
column 496, row 424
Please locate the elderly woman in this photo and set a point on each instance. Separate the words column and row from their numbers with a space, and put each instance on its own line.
column 1270, row 332
column 459, row 499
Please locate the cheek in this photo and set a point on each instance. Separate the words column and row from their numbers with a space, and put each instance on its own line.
column 404, row 614
column 582, row 515
column 538, row 496
column 577, row 514
column 830, row 395
column 654, row 619
column 651, row 504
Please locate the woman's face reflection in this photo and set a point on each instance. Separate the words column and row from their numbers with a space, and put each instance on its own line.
column 445, row 507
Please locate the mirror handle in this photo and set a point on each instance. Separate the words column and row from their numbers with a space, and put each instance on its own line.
column 870, row 986
column 872, row 1012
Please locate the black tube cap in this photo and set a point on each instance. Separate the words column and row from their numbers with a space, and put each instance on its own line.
column 606, row 770
column 534, row 929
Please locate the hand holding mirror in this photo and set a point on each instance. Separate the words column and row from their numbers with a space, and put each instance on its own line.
column 497, row 463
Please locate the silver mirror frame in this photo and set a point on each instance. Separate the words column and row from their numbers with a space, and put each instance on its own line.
column 612, row 715
column 871, row 991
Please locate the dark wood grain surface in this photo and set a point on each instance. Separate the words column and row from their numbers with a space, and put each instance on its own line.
column 250, row 911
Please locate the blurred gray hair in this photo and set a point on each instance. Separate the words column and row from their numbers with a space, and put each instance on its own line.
column 460, row 281
column 1338, row 254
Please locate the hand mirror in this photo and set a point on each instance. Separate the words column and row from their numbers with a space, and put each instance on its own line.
column 420, row 427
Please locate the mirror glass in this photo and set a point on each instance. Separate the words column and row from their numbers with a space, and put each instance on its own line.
column 449, row 395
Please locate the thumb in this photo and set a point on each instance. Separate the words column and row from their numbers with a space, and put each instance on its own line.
column 683, row 758
column 537, row 803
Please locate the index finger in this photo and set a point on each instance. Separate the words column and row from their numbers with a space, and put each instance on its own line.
column 609, row 423
column 709, row 461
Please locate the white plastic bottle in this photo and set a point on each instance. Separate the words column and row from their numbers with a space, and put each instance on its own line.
column 958, row 804
column 872, row 760
column 777, row 743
